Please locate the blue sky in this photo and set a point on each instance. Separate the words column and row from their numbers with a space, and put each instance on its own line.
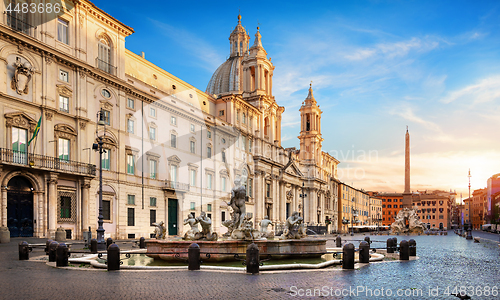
column 376, row 66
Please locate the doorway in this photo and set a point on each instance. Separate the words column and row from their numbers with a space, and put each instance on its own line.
column 172, row 216
column 20, row 207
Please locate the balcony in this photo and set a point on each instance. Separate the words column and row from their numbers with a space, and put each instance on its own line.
column 176, row 186
column 105, row 66
column 18, row 22
column 42, row 162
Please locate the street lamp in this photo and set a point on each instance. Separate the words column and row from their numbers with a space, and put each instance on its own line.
column 469, row 228
column 101, row 245
column 303, row 196
column 353, row 215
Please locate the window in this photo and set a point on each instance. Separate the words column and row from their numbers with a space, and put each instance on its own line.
column 401, row 206
column 192, row 146
column 105, row 93
column 63, row 75
column 223, row 140
column 152, row 133
column 152, row 112
column 131, row 199
column 65, row 207
column 209, row 152
column 192, row 206
column 106, row 159
column 250, row 187
column 130, row 164
column 152, row 217
column 209, row 181
column 221, row 113
column 19, row 141
column 209, row 134
column 223, row 153
column 173, row 173
column 243, row 143
column 130, row 216
column 173, row 120
column 249, row 145
column 107, row 117
column 223, row 216
column 389, row 206
column 106, row 210
column 192, row 177
column 223, row 184
column 62, row 31
column 130, row 103
column 173, row 141
column 152, row 169
column 192, row 127
column 268, row 190
column 130, row 126
column 389, row 200
column 244, row 118
column 63, row 149
column 209, row 207
column 63, row 103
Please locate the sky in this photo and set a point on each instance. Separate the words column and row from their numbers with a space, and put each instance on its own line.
column 375, row 66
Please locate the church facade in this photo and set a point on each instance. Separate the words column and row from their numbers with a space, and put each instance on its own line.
column 170, row 149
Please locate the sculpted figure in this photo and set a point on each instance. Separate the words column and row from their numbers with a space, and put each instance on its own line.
column 206, row 228
column 160, row 230
column 237, row 202
column 264, row 224
column 190, row 235
column 294, row 221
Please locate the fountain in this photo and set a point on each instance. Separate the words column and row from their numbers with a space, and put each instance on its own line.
column 241, row 232
column 415, row 226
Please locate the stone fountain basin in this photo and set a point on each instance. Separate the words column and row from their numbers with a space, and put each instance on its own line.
column 307, row 247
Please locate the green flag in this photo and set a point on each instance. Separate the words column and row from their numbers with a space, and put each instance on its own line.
column 37, row 129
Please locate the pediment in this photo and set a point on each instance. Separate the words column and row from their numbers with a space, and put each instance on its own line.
column 65, row 128
column 106, row 105
column 291, row 168
column 174, row 158
column 64, row 90
column 20, row 119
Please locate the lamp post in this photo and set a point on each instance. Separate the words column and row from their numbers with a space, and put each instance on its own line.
column 303, row 196
column 353, row 215
column 101, row 244
column 469, row 228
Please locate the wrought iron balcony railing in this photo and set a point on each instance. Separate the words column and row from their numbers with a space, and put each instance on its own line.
column 16, row 22
column 105, row 66
column 174, row 185
column 37, row 161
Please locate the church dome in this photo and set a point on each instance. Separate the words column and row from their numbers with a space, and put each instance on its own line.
column 227, row 77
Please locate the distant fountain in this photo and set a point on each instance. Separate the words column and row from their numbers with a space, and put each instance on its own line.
column 414, row 226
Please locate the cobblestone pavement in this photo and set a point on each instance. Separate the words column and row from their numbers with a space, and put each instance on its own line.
column 36, row 280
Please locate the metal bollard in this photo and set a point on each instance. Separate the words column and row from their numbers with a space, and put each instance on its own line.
column 364, row 252
column 404, row 250
column 193, row 257
column 47, row 244
column 412, row 245
column 109, row 241
column 62, row 255
column 24, row 251
column 142, row 243
column 252, row 259
column 348, row 256
column 52, row 251
column 390, row 246
column 93, row 246
column 113, row 257
column 338, row 242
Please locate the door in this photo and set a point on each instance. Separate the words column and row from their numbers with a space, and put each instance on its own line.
column 20, row 207
column 172, row 216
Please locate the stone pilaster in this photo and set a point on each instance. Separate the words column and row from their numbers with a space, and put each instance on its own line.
column 52, row 180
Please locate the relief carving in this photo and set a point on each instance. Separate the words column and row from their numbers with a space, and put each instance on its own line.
column 22, row 77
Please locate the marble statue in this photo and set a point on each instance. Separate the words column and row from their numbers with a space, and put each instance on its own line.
column 414, row 226
column 160, row 230
column 206, row 228
column 294, row 227
column 193, row 223
column 237, row 204
column 264, row 223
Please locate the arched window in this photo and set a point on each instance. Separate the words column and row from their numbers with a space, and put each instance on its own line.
column 266, row 126
column 104, row 56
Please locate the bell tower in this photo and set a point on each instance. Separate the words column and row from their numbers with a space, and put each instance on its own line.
column 238, row 40
column 310, row 129
column 257, row 70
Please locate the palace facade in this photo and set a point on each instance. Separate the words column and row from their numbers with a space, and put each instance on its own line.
column 170, row 149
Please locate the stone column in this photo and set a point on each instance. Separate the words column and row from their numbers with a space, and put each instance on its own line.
column 257, row 199
column 40, row 222
column 3, row 212
column 274, row 197
column 312, row 206
column 85, row 203
column 52, row 180
column 282, row 202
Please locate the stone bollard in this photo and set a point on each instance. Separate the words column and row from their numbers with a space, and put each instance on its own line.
column 193, row 257
column 24, row 251
column 338, row 242
column 142, row 242
column 252, row 260
column 404, row 250
column 47, row 244
column 395, row 243
column 348, row 256
column 52, row 251
column 364, row 252
column 60, row 234
column 62, row 255
column 113, row 257
column 412, row 245
column 367, row 239
column 390, row 246
column 109, row 241
column 93, row 246
column 4, row 235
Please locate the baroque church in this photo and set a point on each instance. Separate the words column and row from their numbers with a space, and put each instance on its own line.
column 170, row 149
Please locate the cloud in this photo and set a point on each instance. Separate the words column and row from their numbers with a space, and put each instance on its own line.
column 408, row 114
column 486, row 90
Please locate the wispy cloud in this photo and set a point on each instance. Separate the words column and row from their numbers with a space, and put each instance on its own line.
column 408, row 114
column 486, row 90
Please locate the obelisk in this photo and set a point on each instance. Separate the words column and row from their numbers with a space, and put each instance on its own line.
column 407, row 199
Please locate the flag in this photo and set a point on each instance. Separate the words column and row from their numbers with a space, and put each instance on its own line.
column 37, row 129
